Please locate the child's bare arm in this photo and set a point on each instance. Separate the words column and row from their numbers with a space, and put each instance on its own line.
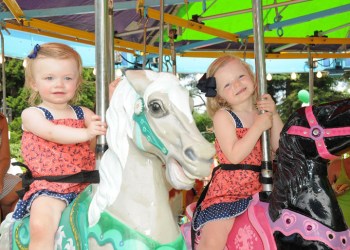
column 34, row 121
column 236, row 149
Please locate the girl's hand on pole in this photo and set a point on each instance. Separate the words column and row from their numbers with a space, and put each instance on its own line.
column 96, row 127
column 266, row 103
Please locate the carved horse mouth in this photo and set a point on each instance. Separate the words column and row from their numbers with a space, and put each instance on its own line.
column 177, row 176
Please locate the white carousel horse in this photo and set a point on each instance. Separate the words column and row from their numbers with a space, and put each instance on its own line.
column 153, row 141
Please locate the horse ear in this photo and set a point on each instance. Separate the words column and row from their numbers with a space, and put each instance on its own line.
column 140, row 79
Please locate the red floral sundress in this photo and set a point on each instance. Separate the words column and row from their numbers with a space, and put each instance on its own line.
column 45, row 158
column 229, row 192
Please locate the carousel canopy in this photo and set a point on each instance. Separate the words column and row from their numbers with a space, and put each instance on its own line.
column 196, row 29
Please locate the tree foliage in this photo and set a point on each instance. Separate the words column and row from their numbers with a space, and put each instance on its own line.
column 285, row 92
column 205, row 125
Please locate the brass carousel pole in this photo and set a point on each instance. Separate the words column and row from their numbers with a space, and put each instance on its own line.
column 311, row 76
column 110, row 46
column 102, row 53
column 260, row 73
column 4, row 106
column 161, row 29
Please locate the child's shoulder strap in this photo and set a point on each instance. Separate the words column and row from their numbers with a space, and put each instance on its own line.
column 47, row 113
column 238, row 122
column 79, row 112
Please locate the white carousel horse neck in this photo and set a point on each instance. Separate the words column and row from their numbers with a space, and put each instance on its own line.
column 145, row 197
column 133, row 183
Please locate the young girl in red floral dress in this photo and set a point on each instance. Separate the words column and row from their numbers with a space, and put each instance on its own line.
column 58, row 139
column 232, row 104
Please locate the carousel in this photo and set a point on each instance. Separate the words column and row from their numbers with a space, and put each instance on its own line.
column 153, row 149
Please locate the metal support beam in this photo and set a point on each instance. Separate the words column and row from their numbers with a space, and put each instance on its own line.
column 161, row 37
column 76, row 10
column 250, row 55
column 101, row 57
column 3, row 81
column 200, row 19
column 174, row 20
column 260, row 78
column 15, row 10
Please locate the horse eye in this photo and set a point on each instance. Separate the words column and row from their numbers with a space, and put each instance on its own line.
column 157, row 109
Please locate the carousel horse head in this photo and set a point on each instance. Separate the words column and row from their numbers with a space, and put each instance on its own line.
column 150, row 117
column 311, row 137
column 322, row 132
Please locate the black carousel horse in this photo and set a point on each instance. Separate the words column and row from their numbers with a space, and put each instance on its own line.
column 310, row 138
column 302, row 211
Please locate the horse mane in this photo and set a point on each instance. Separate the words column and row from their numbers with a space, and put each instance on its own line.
column 292, row 171
column 120, row 127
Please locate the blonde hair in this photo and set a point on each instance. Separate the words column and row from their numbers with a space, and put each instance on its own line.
column 50, row 50
column 217, row 102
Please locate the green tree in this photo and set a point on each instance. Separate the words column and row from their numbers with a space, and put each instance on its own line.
column 204, row 125
column 14, row 73
column 203, row 121
column 285, row 92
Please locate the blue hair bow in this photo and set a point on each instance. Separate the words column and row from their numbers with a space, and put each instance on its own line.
column 207, row 85
column 35, row 52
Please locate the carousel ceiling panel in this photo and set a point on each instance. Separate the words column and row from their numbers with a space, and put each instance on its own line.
column 202, row 28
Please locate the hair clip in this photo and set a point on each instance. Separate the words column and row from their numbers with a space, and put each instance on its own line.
column 207, row 85
column 35, row 52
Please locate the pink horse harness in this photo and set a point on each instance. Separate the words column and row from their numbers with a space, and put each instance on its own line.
column 317, row 133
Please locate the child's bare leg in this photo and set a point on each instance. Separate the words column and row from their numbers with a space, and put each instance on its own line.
column 214, row 234
column 45, row 215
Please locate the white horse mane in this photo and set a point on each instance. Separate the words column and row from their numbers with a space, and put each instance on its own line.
column 120, row 127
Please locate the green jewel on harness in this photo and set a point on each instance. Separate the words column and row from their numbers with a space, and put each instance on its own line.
column 141, row 120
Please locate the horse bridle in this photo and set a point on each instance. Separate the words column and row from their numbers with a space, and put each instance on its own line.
column 145, row 129
column 317, row 133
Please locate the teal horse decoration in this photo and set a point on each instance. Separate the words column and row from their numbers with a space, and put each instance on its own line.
column 153, row 141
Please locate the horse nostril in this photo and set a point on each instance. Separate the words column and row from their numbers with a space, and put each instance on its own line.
column 190, row 154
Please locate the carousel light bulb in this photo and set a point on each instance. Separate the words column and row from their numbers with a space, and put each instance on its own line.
column 319, row 74
column 269, row 77
column 293, row 76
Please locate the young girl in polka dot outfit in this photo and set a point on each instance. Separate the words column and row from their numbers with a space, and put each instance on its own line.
column 58, row 138
column 231, row 103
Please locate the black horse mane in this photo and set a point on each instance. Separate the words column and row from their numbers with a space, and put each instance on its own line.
column 296, row 156
column 291, row 174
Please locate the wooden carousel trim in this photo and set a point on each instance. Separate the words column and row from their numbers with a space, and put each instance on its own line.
column 250, row 55
column 14, row 8
column 39, row 27
column 174, row 20
column 306, row 40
